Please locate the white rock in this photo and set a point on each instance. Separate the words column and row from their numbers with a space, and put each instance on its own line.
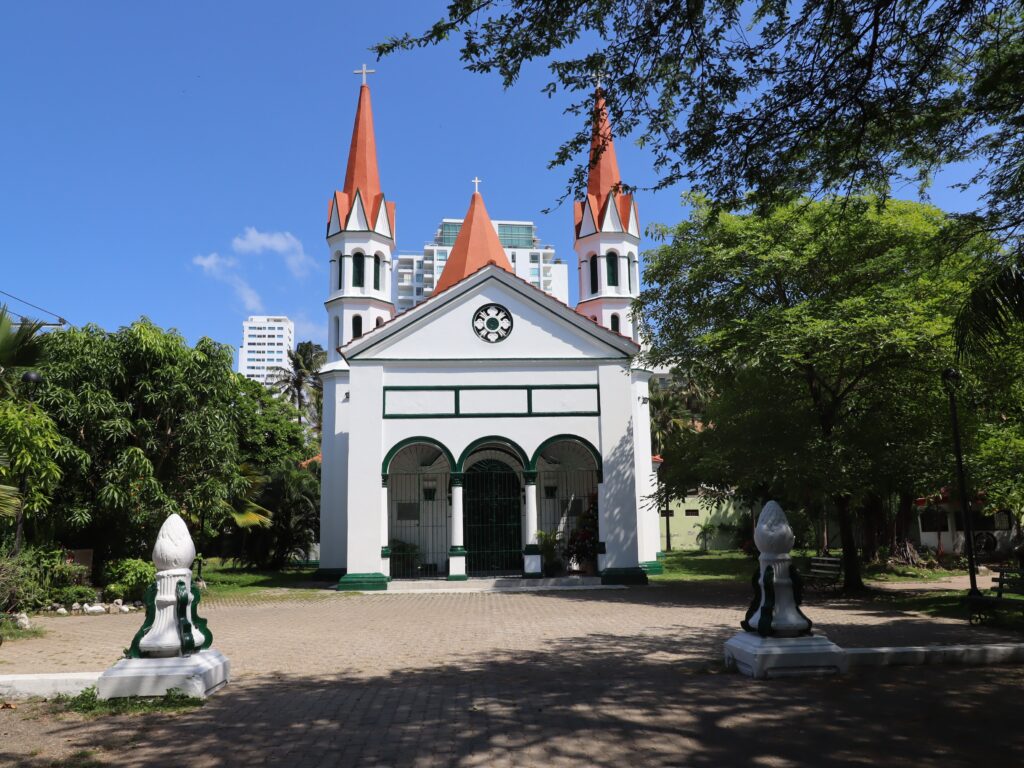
column 118, row 602
column 174, row 547
column 22, row 622
column 76, row 607
column 94, row 610
column 124, row 609
column 62, row 611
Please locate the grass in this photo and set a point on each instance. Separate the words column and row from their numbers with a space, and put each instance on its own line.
column 9, row 631
column 223, row 579
column 89, row 704
column 716, row 565
column 948, row 604
column 879, row 572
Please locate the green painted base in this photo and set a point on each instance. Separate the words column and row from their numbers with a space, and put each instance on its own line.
column 362, row 582
column 533, row 575
column 653, row 567
column 659, row 555
column 531, row 549
column 623, row 576
column 456, row 551
column 458, row 577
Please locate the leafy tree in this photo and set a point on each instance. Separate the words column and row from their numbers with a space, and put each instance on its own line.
column 821, row 331
column 765, row 102
column 297, row 382
column 292, row 494
column 152, row 425
column 268, row 434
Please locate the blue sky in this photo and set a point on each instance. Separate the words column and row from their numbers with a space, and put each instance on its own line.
column 175, row 160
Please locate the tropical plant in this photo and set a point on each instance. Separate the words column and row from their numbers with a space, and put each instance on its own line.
column 297, row 382
column 705, row 530
column 291, row 497
column 582, row 544
column 548, row 543
column 20, row 347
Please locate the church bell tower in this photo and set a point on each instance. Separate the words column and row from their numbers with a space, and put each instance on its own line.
column 361, row 238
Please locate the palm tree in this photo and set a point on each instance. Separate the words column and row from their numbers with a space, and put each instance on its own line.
column 20, row 347
column 302, row 378
column 10, row 499
column 668, row 404
column 991, row 309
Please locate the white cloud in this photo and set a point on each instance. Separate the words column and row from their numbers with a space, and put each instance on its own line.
column 223, row 268
column 285, row 244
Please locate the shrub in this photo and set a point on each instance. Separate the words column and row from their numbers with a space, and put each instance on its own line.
column 129, row 578
column 583, row 540
column 547, row 543
column 79, row 593
column 38, row 577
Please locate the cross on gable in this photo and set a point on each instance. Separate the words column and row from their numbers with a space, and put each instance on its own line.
column 364, row 72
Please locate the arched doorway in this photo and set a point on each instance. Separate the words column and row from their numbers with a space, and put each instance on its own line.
column 493, row 531
column 418, row 474
column 568, row 472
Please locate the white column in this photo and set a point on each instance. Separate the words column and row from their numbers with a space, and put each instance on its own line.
column 346, row 272
column 457, row 552
column 532, row 566
column 624, row 276
column 385, row 560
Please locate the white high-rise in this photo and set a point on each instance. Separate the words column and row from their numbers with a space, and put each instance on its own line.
column 266, row 341
column 534, row 262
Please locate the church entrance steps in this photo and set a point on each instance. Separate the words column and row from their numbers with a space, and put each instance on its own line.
column 420, row 586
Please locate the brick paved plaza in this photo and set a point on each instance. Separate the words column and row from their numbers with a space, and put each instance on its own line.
column 596, row 678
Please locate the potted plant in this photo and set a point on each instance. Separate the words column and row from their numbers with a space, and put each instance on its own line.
column 581, row 548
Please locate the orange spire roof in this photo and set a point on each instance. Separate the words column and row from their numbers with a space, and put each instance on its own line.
column 362, row 174
column 604, row 176
column 476, row 246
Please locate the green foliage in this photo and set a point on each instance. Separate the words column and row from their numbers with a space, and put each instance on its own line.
column 128, row 579
column 20, row 348
column 37, row 577
column 299, row 382
column 225, row 579
column 33, row 449
column 405, row 557
column 549, row 543
column 88, row 703
column 583, row 540
column 9, row 630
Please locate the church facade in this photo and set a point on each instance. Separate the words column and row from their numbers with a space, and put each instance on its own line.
column 462, row 434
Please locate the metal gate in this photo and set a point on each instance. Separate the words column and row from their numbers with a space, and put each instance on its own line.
column 492, row 511
column 418, row 524
column 563, row 496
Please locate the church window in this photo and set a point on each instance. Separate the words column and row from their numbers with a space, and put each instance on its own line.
column 593, row 274
column 615, row 323
column 629, row 274
column 376, row 273
column 613, row 268
column 357, row 326
column 357, row 270
column 337, row 332
column 341, row 273
column 379, row 322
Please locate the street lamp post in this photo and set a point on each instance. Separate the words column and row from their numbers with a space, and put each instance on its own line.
column 951, row 380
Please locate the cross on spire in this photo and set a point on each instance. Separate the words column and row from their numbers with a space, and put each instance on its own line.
column 364, row 72
column 476, row 183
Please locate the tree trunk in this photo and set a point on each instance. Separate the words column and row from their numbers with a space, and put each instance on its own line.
column 852, row 581
column 824, row 530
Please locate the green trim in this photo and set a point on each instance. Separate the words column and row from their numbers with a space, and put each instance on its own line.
column 460, row 465
column 362, row 582
column 198, row 622
column 531, row 549
column 133, row 652
column 659, row 555
column 530, row 476
column 188, row 641
column 624, row 576
column 385, row 551
column 458, row 577
column 455, row 478
column 456, row 551
column 383, row 481
column 652, row 567
column 413, row 441
column 456, row 390
column 537, row 575
column 576, row 438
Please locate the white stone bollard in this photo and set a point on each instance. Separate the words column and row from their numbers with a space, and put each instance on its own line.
column 172, row 649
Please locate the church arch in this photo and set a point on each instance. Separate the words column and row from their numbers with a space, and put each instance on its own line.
column 537, row 454
column 358, row 270
column 593, row 274
column 341, row 269
column 418, row 440
column 378, row 322
column 615, row 325
column 376, row 272
column 357, row 326
column 567, row 472
column 501, row 444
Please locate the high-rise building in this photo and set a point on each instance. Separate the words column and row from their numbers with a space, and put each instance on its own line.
column 533, row 261
column 266, row 341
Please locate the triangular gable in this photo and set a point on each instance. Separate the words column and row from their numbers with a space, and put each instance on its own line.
column 357, row 219
column 383, row 226
column 588, row 225
column 390, row 206
column 335, row 213
column 442, row 327
column 611, row 222
column 634, row 221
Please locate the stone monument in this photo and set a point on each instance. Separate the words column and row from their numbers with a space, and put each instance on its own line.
column 173, row 647
column 778, row 639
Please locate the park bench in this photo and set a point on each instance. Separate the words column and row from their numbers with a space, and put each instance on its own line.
column 1008, row 587
column 825, row 573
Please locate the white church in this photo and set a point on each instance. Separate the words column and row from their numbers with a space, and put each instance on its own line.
column 491, row 417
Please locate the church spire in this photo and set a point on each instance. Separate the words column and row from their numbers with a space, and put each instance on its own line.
column 476, row 246
column 360, row 205
column 604, row 173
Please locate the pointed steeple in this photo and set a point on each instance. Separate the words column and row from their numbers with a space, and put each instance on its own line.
column 360, row 204
column 476, row 246
column 605, row 209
